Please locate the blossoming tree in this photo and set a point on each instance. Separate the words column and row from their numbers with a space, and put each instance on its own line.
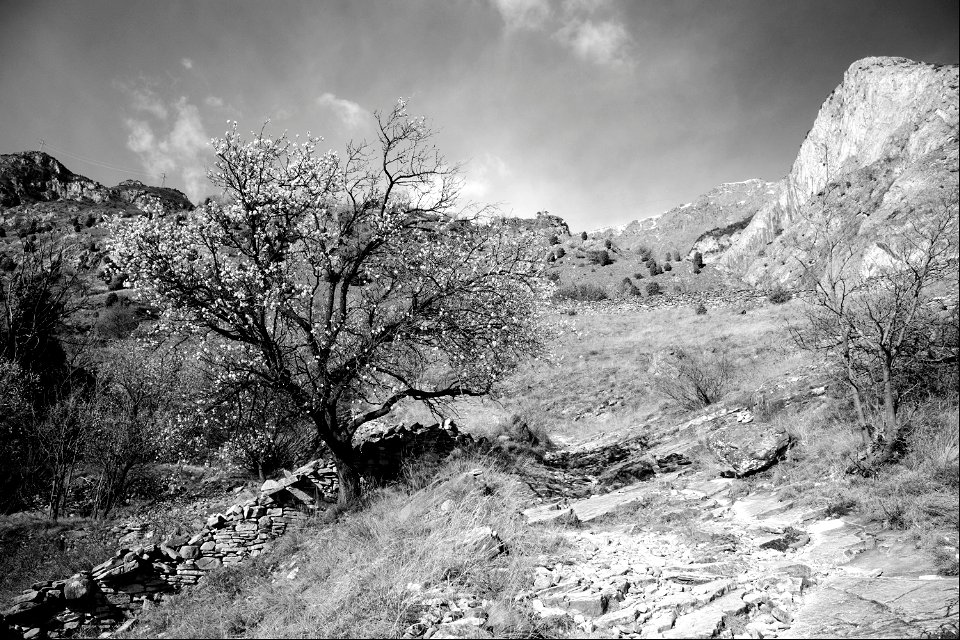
column 350, row 283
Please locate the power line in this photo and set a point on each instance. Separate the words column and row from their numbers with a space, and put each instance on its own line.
column 97, row 163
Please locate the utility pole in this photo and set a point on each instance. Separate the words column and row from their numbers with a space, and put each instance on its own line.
column 42, row 142
column 163, row 179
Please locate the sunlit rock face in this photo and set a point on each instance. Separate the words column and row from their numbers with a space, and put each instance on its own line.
column 883, row 151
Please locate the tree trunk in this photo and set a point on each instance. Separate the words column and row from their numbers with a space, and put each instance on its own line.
column 348, row 474
column 891, row 427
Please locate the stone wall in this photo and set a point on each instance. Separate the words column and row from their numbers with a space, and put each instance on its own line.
column 117, row 588
column 114, row 590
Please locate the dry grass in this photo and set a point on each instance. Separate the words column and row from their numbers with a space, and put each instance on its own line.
column 364, row 575
column 33, row 548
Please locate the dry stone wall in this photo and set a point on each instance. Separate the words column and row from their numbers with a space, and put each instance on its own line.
column 113, row 591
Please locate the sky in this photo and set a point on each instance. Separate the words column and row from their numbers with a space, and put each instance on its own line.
column 599, row 111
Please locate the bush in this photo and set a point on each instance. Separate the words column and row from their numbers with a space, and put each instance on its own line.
column 111, row 300
column 694, row 381
column 583, row 235
column 638, row 276
column 645, row 252
column 653, row 289
column 557, row 253
column 701, row 310
column 667, row 266
column 779, row 295
column 627, row 288
column 600, row 257
column 582, row 292
column 608, row 244
column 697, row 261
column 554, row 240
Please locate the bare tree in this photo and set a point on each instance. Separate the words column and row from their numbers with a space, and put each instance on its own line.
column 137, row 389
column 877, row 310
column 349, row 284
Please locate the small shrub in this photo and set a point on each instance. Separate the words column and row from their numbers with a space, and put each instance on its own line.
column 694, row 381
column 583, row 235
column 638, row 276
column 653, row 289
column 667, row 266
column 645, row 252
column 600, row 257
column 582, row 292
column 779, row 295
column 111, row 300
column 701, row 310
column 554, row 240
column 608, row 243
column 697, row 261
column 627, row 288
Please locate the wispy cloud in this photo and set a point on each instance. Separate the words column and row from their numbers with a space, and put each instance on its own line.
column 482, row 175
column 215, row 102
column 588, row 28
column 523, row 14
column 142, row 97
column 350, row 113
column 187, row 63
column 180, row 150
column 605, row 42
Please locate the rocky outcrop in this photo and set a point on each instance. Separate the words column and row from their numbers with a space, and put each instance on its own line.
column 32, row 177
column 882, row 151
column 35, row 176
column 744, row 447
column 679, row 229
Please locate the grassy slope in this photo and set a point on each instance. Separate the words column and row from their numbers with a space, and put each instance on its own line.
column 364, row 576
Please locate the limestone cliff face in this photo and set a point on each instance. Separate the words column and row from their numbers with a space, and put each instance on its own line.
column 36, row 176
column 883, row 147
column 729, row 204
column 31, row 178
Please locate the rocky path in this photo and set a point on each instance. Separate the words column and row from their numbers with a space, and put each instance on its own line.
column 679, row 557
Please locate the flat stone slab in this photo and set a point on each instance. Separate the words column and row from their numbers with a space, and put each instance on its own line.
column 591, row 508
column 877, row 607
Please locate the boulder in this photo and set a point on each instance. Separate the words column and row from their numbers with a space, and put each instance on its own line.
column 745, row 448
column 78, row 587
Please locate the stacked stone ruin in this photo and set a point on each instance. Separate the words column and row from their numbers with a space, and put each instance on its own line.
column 113, row 591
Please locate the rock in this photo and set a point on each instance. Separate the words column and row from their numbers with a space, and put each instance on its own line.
column 78, row 588
column 189, row 551
column 747, row 448
column 208, row 563
column 463, row 628
column 216, row 521
column 485, row 542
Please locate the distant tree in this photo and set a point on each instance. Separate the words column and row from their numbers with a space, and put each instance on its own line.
column 600, row 257
column 644, row 252
column 356, row 283
column 667, row 266
column 627, row 288
column 608, row 243
column 653, row 289
column 697, row 260
column 583, row 235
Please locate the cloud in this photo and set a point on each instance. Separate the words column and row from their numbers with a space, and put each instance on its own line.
column 350, row 113
column 523, row 14
column 213, row 101
column 181, row 151
column 143, row 98
column 606, row 42
column 187, row 63
column 481, row 176
column 600, row 40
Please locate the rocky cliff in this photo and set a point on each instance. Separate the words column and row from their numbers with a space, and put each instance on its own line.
column 883, row 150
column 31, row 178
column 727, row 205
